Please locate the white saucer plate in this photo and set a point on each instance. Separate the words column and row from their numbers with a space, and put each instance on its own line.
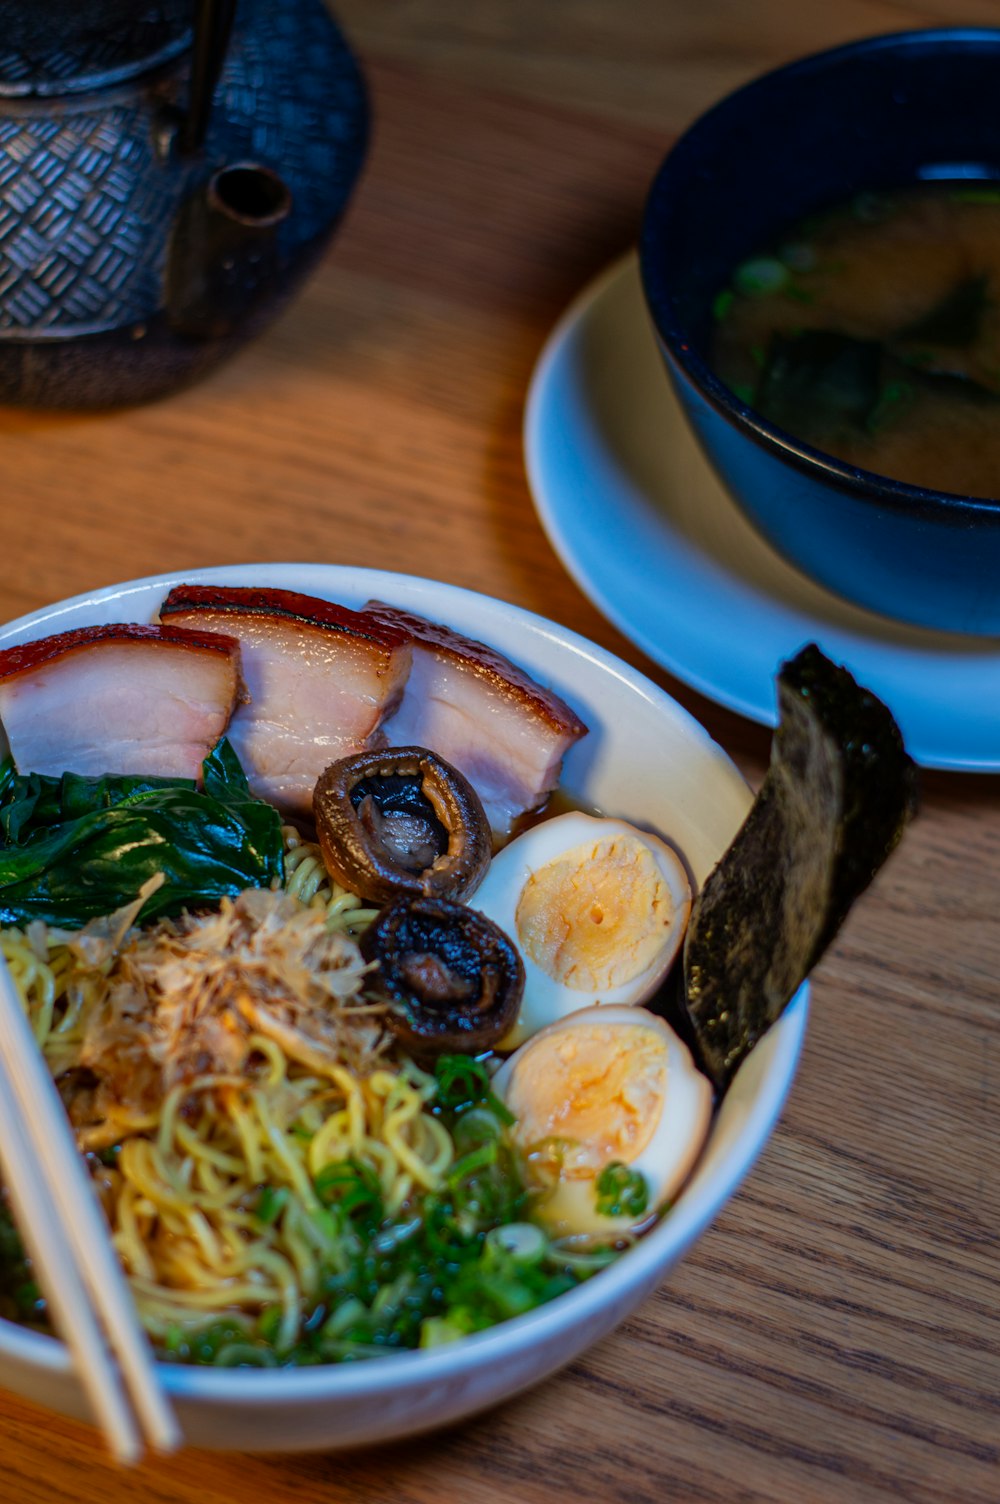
column 641, row 522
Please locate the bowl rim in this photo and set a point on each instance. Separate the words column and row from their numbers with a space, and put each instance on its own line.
column 647, row 1262
column 865, row 485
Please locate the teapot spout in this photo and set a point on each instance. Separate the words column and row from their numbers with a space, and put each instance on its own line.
column 223, row 257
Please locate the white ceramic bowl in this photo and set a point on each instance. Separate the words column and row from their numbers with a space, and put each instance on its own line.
column 644, row 759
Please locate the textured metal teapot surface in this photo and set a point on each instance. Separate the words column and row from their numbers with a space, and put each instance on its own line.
column 128, row 266
column 62, row 45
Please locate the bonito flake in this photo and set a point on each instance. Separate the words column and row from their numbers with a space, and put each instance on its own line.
column 193, row 997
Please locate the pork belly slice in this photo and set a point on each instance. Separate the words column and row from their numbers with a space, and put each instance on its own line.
column 320, row 678
column 120, row 698
column 473, row 707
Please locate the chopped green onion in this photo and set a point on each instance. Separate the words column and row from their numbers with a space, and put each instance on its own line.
column 522, row 1242
column 799, row 256
column 894, row 400
column 477, row 1126
column 269, row 1323
column 461, row 1081
column 722, row 302
column 477, row 1159
column 760, row 277
column 436, row 1331
column 621, row 1192
column 206, row 1345
column 352, row 1187
column 509, row 1297
column 799, row 293
column 870, row 207
column 245, row 1355
column 174, row 1340
column 446, row 1263
column 583, row 1262
column 350, row 1313
column 28, row 1298
column 270, row 1203
column 982, row 195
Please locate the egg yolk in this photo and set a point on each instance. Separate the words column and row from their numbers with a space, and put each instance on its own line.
column 598, row 1089
column 595, row 917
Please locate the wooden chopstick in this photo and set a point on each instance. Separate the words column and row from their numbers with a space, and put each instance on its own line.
column 46, row 1245
column 67, row 1238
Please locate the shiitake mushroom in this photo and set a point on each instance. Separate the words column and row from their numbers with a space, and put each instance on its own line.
column 401, row 820
column 451, row 977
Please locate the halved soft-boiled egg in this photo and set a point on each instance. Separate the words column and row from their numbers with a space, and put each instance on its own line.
column 611, row 1112
column 597, row 909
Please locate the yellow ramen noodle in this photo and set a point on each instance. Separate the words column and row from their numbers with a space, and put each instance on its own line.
column 279, row 1081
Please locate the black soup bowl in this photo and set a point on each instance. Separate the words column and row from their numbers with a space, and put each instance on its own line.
column 882, row 112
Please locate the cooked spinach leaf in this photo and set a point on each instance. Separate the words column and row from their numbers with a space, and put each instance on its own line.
column 72, row 848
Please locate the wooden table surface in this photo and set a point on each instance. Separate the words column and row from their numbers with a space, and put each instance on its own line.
column 835, row 1335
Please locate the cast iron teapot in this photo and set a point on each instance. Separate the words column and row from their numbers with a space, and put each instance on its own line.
column 169, row 171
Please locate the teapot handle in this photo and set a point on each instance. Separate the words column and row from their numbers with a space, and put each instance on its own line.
column 213, row 22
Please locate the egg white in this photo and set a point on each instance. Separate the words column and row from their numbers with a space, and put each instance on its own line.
column 546, row 998
column 681, row 1106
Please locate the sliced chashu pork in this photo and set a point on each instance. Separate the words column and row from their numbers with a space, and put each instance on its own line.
column 320, row 679
column 118, row 699
column 477, row 710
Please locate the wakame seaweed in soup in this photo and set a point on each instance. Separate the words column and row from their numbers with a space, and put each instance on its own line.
column 872, row 332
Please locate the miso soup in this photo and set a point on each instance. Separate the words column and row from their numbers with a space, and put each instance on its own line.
column 872, row 332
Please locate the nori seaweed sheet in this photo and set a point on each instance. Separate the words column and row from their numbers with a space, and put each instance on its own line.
column 834, row 803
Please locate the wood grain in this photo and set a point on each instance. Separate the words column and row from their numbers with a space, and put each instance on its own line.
column 835, row 1336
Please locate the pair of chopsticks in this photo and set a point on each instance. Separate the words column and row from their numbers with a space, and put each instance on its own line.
column 67, row 1239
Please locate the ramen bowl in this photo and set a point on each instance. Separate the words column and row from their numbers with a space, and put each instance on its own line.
column 880, row 113
column 646, row 759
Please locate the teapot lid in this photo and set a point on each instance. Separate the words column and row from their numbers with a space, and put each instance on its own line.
column 65, row 46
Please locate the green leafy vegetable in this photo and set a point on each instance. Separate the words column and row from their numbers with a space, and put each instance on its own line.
column 818, row 380
column 820, row 383
column 621, row 1192
column 73, row 848
column 957, row 319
